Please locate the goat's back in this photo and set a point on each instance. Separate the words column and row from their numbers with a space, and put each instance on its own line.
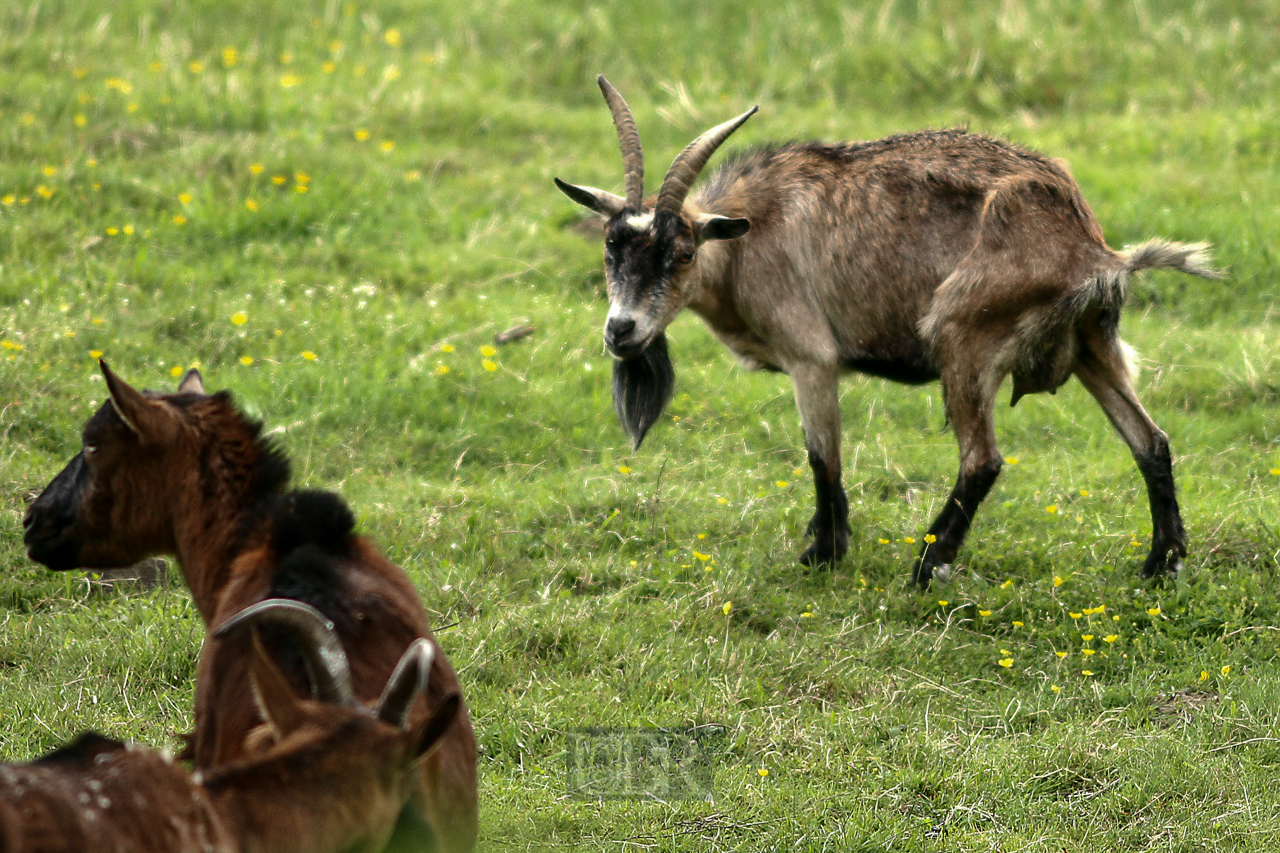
column 864, row 234
column 99, row 795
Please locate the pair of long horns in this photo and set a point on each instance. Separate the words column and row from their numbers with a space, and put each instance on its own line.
column 684, row 169
column 326, row 663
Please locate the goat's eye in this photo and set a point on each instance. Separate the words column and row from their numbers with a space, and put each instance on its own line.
column 686, row 258
column 90, row 449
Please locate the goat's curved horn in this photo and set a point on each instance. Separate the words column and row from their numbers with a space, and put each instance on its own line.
column 685, row 168
column 322, row 653
column 629, row 140
column 406, row 682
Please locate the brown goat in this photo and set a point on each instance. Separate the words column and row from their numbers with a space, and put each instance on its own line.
column 935, row 255
column 327, row 778
column 187, row 474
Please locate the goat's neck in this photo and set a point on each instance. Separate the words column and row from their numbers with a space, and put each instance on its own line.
column 713, row 299
column 215, row 527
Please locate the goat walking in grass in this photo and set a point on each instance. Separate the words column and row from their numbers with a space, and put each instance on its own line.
column 323, row 777
column 934, row 255
column 187, row 474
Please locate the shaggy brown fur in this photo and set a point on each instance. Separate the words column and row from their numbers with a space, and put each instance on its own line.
column 187, row 474
column 332, row 780
column 934, row 255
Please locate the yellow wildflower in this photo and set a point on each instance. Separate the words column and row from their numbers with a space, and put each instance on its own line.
column 1088, row 638
column 1061, row 654
column 1087, row 652
column 288, row 81
column 1204, row 675
column 195, row 66
column 256, row 168
column 942, row 602
column 387, row 145
column 728, row 605
column 910, row 540
column 701, row 556
column 488, row 365
column 239, row 318
column 781, row 484
column 95, row 353
column 179, row 220
column 447, row 348
column 1051, row 509
column 488, row 351
column 185, row 198
column 623, row 469
column 1055, row 688
column 984, row 612
column 930, row 538
column 1110, row 638
column 246, row 360
column 442, row 369
column 308, row 355
column 883, row 541
column 1153, row 611
column 763, row 771
column 1074, row 615
column 1017, row 624
column 1057, row 581
column 1012, row 460
column 1226, row 670
column 1005, row 662
column 176, row 370
column 1008, row 583
column 362, row 135
column 1086, row 672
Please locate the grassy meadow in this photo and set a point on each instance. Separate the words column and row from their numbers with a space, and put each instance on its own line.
column 332, row 207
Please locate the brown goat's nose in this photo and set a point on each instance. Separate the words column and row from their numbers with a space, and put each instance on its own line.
column 618, row 328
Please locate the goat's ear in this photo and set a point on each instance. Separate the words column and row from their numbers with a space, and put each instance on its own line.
column 192, row 383
column 430, row 731
column 604, row 203
column 146, row 418
column 708, row 226
column 276, row 701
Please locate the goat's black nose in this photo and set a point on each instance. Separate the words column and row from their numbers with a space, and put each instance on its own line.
column 618, row 328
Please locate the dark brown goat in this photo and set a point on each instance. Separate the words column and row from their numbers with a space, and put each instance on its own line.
column 936, row 255
column 187, row 474
column 326, row 777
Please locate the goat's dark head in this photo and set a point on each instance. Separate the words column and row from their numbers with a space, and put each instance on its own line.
column 651, row 258
column 115, row 502
column 351, row 766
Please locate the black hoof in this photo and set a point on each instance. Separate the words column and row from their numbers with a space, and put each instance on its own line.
column 823, row 554
column 1162, row 564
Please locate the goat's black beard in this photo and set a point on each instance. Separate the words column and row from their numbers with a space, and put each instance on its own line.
column 642, row 387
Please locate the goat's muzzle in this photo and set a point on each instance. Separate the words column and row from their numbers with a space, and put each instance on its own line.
column 47, row 527
column 620, row 338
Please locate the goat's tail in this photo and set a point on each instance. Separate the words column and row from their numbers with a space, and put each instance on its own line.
column 1191, row 258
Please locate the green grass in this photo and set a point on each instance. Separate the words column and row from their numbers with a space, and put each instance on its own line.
column 130, row 143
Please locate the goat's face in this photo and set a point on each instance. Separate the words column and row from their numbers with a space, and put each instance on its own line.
column 651, row 266
column 109, row 507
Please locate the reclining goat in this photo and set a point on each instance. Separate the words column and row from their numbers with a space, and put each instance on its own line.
column 188, row 474
column 322, row 776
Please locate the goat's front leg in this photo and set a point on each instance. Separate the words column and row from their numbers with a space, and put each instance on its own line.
column 970, row 401
column 818, row 398
column 1102, row 370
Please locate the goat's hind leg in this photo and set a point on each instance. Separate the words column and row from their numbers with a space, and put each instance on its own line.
column 1103, row 371
column 970, row 404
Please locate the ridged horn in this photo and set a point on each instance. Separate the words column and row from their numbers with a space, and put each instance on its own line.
column 629, row 140
column 688, row 164
column 407, row 681
column 322, row 653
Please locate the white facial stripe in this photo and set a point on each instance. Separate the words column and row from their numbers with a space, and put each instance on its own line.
column 640, row 221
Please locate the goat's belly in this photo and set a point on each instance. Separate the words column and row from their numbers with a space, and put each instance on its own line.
column 901, row 361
